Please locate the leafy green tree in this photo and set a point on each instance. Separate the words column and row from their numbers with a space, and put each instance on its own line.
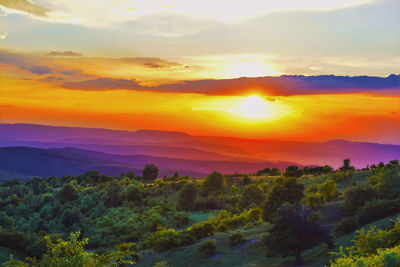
column 150, row 172
column 389, row 183
column 294, row 231
column 329, row 190
column 68, row 193
column 284, row 190
column 356, row 196
column 275, row 172
column 215, row 182
column 187, row 197
column 347, row 165
column 130, row 175
column 292, row 171
column 6, row 221
column 252, row 194
column 313, row 200
column 133, row 192
column 113, row 197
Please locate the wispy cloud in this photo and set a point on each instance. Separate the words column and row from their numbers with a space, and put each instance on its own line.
column 38, row 69
column 64, row 54
column 25, row 6
column 273, row 86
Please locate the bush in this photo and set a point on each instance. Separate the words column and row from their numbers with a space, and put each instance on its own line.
column 356, row 196
column 187, row 196
column 284, row 190
column 346, row 225
column 202, row 229
column 378, row 209
column 71, row 253
column 314, row 200
column 372, row 248
column 252, row 195
column 214, row 183
column 163, row 239
column 292, row 171
column 68, row 193
column 208, row 246
column 235, row 239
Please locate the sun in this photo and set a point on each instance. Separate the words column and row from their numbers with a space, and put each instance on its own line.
column 254, row 107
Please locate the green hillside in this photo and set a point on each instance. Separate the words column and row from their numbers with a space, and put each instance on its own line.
column 301, row 217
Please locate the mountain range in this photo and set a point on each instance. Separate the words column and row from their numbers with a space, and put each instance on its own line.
column 28, row 150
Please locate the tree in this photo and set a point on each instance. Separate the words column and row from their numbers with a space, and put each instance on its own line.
column 356, row 196
column 313, row 200
column 252, row 194
column 187, row 196
column 215, row 182
column 329, row 190
column 294, row 231
column 150, row 172
column 113, row 198
column 68, row 193
column 292, row 171
column 284, row 190
column 347, row 165
column 246, row 179
column 275, row 172
column 130, row 175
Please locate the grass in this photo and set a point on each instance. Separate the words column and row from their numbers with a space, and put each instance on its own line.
column 250, row 252
column 200, row 216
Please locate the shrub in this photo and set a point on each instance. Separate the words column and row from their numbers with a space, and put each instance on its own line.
column 208, row 246
column 314, row 200
column 284, row 190
column 252, row 195
column 71, row 253
column 214, row 183
column 68, row 193
column 235, row 239
column 187, row 196
column 163, row 239
column 202, row 229
column 372, row 248
column 292, row 171
column 346, row 225
column 356, row 196
column 378, row 209
column 329, row 190
column 179, row 219
column 389, row 257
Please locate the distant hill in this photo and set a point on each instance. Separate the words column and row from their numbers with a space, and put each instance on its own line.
column 181, row 151
column 26, row 162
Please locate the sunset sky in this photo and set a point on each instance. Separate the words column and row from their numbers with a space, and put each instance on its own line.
column 177, row 65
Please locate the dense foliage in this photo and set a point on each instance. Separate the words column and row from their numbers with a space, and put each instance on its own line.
column 120, row 217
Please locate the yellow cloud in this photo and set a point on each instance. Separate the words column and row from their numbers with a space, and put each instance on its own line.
column 25, row 6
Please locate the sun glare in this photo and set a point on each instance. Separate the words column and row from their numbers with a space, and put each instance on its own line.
column 254, row 107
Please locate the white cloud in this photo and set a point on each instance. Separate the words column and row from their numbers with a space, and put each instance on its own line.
column 106, row 13
column 3, row 36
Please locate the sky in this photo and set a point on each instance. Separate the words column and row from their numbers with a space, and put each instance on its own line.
column 205, row 67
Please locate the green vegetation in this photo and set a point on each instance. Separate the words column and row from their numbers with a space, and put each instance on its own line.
column 305, row 215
